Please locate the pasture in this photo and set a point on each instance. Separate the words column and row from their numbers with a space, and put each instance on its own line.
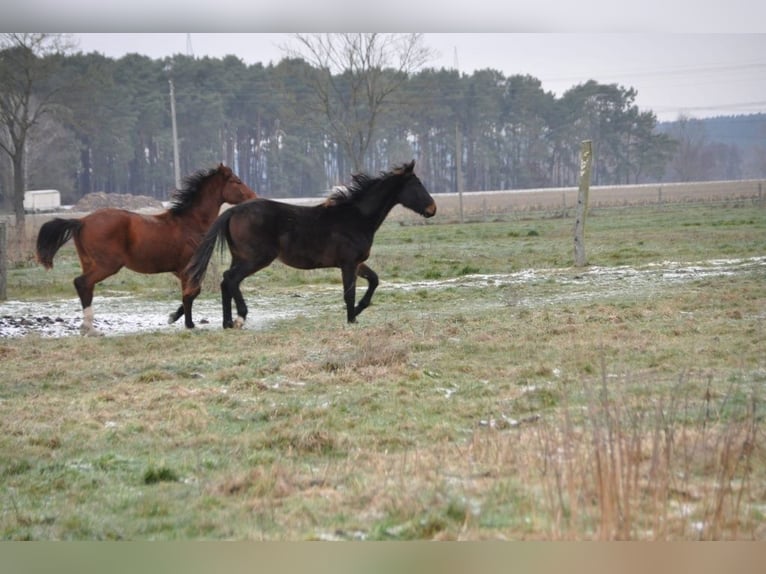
column 491, row 391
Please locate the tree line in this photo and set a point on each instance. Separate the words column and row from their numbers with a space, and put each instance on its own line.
column 107, row 126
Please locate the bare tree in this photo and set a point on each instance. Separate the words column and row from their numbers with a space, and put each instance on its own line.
column 689, row 162
column 26, row 97
column 355, row 76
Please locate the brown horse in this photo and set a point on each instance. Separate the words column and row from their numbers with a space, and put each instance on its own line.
column 109, row 239
column 337, row 233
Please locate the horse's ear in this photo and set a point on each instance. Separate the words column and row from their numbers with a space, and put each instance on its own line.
column 410, row 167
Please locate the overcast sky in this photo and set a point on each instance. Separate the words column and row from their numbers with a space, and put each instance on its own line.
column 699, row 75
column 682, row 56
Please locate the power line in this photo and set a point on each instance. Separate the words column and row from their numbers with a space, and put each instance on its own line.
column 713, row 107
column 675, row 71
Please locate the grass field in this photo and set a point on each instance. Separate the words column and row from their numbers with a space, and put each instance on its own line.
column 491, row 392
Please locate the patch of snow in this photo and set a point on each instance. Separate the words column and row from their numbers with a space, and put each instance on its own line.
column 119, row 315
column 122, row 315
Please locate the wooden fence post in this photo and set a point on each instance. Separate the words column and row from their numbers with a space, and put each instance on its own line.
column 3, row 263
column 586, row 159
column 459, row 169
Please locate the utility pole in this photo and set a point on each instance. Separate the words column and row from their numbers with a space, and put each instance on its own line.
column 586, row 160
column 3, row 263
column 459, row 167
column 458, row 154
column 176, row 162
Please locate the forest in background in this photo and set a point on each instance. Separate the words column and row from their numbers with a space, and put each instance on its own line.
column 718, row 148
column 112, row 131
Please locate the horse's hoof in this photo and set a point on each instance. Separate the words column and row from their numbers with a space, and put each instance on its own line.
column 239, row 322
column 90, row 332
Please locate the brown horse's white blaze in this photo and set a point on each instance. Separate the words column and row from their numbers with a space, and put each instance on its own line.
column 109, row 239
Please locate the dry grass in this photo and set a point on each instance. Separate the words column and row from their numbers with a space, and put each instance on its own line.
column 466, row 412
column 422, row 428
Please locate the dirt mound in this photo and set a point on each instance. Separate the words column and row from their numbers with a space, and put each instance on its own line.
column 100, row 199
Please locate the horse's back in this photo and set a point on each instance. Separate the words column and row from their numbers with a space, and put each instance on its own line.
column 305, row 237
column 109, row 224
column 142, row 242
column 267, row 216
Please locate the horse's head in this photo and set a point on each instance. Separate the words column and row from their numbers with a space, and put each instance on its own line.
column 413, row 194
column 234, row 190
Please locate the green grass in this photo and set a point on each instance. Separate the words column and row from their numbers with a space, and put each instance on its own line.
column 546, row 409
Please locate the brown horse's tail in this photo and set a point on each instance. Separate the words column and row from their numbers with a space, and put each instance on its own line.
column 195, row 269
column 53, row 234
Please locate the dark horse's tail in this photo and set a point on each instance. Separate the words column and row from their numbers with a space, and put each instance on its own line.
column 195, row 269
column 53, row 234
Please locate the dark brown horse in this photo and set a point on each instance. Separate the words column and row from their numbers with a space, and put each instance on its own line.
column 337, row 233
column 109, row 239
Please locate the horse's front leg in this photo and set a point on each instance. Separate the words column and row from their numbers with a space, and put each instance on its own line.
column 176, row 315
column 188, row 295
column 349, row 291
column 226, row 290
column 372, row 283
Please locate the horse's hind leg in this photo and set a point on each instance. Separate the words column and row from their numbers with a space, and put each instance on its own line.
column 232, row 277
column 84, row 285
column 372, row 283
column 239, row 301
column 85, row 292
column 230, row 289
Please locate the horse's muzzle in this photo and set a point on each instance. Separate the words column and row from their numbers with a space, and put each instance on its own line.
column 430, row 211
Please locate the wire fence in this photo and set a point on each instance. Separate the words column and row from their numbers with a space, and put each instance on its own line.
column 489, row 205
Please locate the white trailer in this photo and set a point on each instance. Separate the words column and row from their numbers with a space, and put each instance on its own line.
column 42, row 200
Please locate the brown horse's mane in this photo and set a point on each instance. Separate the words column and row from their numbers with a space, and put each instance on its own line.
column 360, row 183
column 192, row 185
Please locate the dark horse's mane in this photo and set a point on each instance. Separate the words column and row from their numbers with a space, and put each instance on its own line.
column 360, row 183
column 184, row 198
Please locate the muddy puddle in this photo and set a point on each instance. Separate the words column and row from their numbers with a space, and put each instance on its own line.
column 121, row 315
column 126, row 314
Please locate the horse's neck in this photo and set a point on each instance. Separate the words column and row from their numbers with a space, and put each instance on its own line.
column 203, row 212
column 377, row 204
